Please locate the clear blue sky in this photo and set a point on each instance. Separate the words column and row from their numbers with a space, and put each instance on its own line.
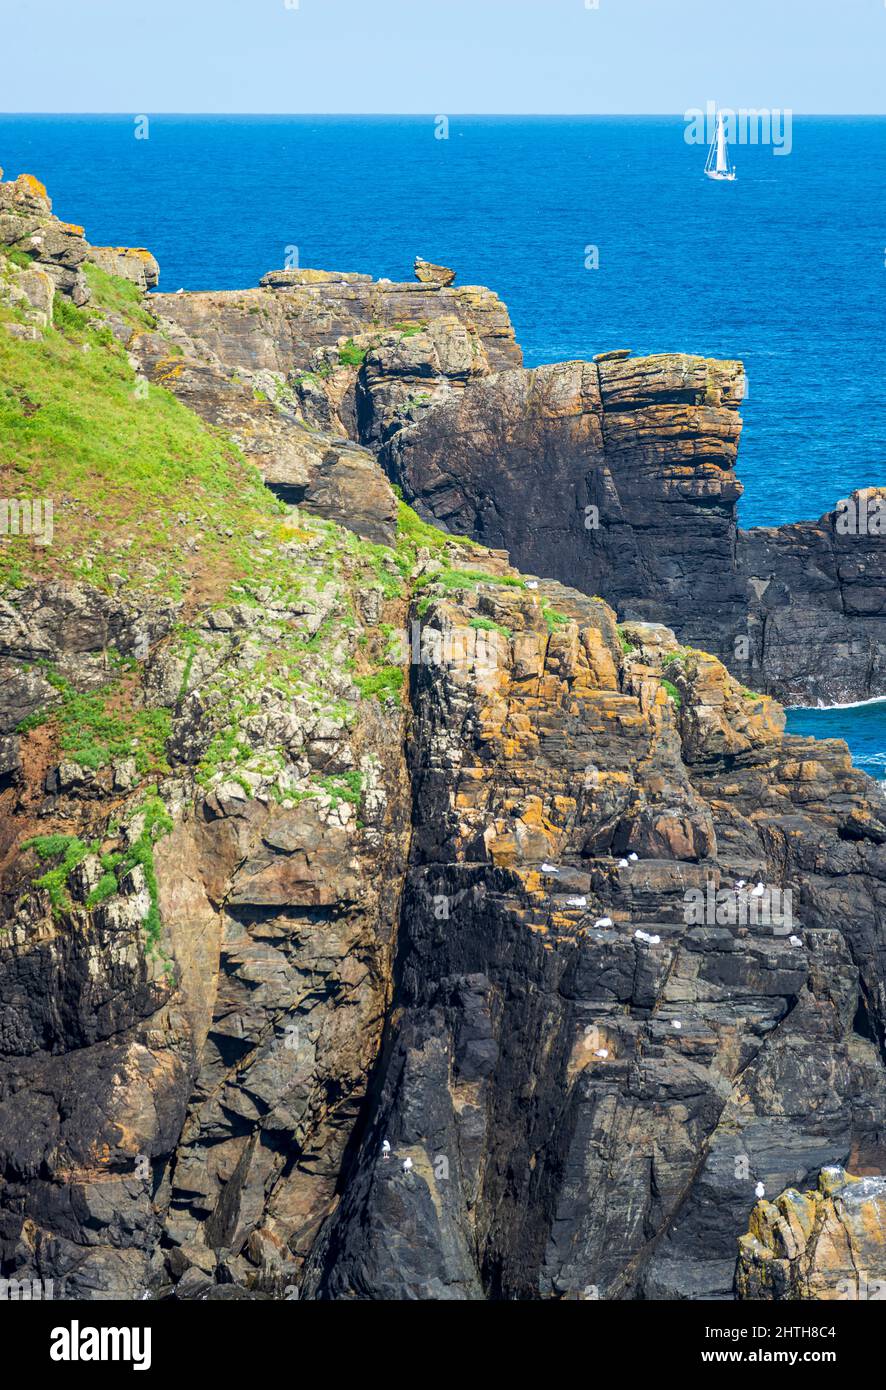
column 442, row 56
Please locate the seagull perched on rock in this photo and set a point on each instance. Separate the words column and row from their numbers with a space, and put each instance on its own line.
column 758, row 891
column 602, row 1052
column 407, row 1165
column 633, row 857
column 386, row 1148
column 677, row 1024
column 576, row 902
column 549, row 869
column 651, row 940
column 759, row 1190
column 740, row 883
column 622, row 863
column 603, row 922
column 532, row 583
column 796, row 941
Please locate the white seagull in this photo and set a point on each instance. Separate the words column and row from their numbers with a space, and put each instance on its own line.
column 602, row 1052
column 677, row 1024
column 633, row 857
column 759, row 1190
column 549, row 869
column 576, row 902
column 622, row 863
column 795, row 941
column 603, row 922
column 386, row 1148
column 407, row 1165
column 758, row 891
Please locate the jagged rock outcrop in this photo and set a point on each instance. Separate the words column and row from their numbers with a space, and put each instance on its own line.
column 430, row 274
column 827, row 1243
column 589, row 1086
column 625, row 468
column 349, row 832
column 133, row 263
column 27, row 226
column 617, row 476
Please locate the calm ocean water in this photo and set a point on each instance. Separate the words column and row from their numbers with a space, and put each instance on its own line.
column 784, row 268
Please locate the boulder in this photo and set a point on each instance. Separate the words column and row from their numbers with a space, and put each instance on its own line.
column 430, row 274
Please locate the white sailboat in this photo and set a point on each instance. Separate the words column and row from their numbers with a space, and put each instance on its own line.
column 719, row 164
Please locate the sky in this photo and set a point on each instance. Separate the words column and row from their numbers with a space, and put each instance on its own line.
column 442, row 56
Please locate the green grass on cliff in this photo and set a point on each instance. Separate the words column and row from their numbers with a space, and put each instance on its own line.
column 673, row 693
column 351, row 355
column 97, row 727
column 117, row 295
column 64, row 853
column 139, row 484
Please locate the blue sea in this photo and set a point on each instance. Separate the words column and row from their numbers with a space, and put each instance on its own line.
column 785, row 268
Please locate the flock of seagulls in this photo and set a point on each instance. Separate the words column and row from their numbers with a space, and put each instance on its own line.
column 649, row 938
column 756, row 892
column 386, row 1153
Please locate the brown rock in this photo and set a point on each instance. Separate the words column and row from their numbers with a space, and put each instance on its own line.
column 430, row 274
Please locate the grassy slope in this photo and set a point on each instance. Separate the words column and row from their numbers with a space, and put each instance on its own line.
column 122, row 461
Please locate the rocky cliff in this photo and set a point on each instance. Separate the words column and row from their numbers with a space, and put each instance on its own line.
column 617, row 476
column 378, row 920
column 826, row 1243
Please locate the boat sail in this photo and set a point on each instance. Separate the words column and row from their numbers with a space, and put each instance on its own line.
column 719, row 164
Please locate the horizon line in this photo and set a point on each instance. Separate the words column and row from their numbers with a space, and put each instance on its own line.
column 458, row 115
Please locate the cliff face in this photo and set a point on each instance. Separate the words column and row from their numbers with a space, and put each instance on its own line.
column 346, row 947
column 588, row 1085
column 617, row 476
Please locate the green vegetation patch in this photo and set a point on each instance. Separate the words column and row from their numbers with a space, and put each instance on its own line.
column 554, row 618
column 67, row 851
column 385, row 685
column 117, row 296
column 468, row 579
column 342, row 786
column 96, row 727
column 350, row 355
column 120, row 460
column 487, row 625
column 673, row 692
